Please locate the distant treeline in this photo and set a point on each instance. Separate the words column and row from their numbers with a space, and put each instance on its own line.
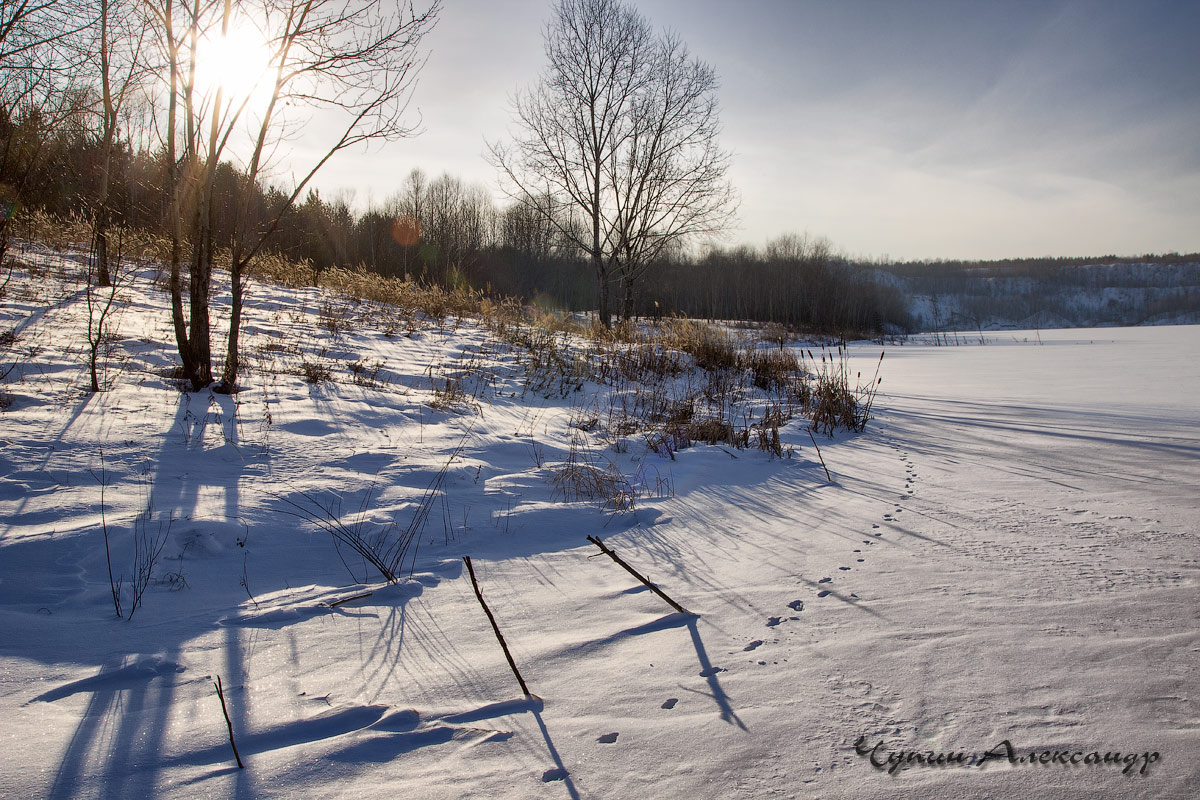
column 444, row 231
column 1016, row 267
column 1050, row 292
column 441, row 230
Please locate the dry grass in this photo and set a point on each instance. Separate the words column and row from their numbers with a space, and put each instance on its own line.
column 675, row 381
column 581, row 478
column 366, row 373
column 315, row 372
column 834, row 403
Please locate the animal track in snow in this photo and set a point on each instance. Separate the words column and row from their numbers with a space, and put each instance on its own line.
column 773, row 621
column 796, row 605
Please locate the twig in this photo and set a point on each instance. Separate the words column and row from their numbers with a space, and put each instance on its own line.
column 496, row 628
column 638, row 575
column 814, row 441
column 345, row 600
column 113, row 584
column 225, row 711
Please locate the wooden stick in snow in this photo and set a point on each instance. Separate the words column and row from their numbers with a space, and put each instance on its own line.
column 225, row 711
column 814, row 441
column 496, row 628
column 638, row 575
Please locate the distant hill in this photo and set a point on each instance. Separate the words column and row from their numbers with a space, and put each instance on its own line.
column 1047, row 293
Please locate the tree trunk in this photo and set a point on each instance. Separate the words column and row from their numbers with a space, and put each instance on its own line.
column 175, row 213
column 627, row 300
column 177, row 318
column 230, row 372
column 198, row 293
column 100, row 223
column 100, row 245
column 602, row 290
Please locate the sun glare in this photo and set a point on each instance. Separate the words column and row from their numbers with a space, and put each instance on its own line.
column 239, row 63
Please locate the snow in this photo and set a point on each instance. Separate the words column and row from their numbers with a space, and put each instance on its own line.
column 1008, row 552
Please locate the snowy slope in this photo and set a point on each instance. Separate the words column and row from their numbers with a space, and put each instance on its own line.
column 1007, row 553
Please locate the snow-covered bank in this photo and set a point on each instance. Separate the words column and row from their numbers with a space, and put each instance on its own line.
column 1007, row 553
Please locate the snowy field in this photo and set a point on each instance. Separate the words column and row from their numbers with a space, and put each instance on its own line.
column 1007, row 554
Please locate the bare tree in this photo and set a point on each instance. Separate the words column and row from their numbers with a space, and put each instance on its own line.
column 100, row 312
column 670, row 180
column 622, row 128
column 353, row 62
column 122, row 33
column 29, row 26
column 41, row 45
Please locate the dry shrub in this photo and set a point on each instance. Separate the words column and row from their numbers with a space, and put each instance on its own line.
column 433, row 301
column 579, row 478
column 366, row 373
column 449, row 395
column 335, row 316
column 833, row 403
column 74, row 232
column 711, row 347
column 278, row 269
column 776, row 334
column 648, row 361
column 710, row 430
column 58, row 233
column 315, row 371
column 772, row 370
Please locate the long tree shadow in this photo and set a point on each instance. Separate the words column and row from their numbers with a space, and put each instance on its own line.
column 72, row 767
column 117, row 746
column 117, row 749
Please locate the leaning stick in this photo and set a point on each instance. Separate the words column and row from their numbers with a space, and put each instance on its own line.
column 814, row 441
column 496, row 628
column 638, row 575
column 225, row 711
column 349, row 599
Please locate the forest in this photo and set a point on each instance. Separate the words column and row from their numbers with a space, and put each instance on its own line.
column 102, row 122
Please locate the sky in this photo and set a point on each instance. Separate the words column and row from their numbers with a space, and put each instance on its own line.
column 902, row 130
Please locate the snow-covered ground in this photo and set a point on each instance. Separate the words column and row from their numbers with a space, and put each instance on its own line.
column 1008, row 553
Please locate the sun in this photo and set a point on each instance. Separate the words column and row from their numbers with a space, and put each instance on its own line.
column 238, row 63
